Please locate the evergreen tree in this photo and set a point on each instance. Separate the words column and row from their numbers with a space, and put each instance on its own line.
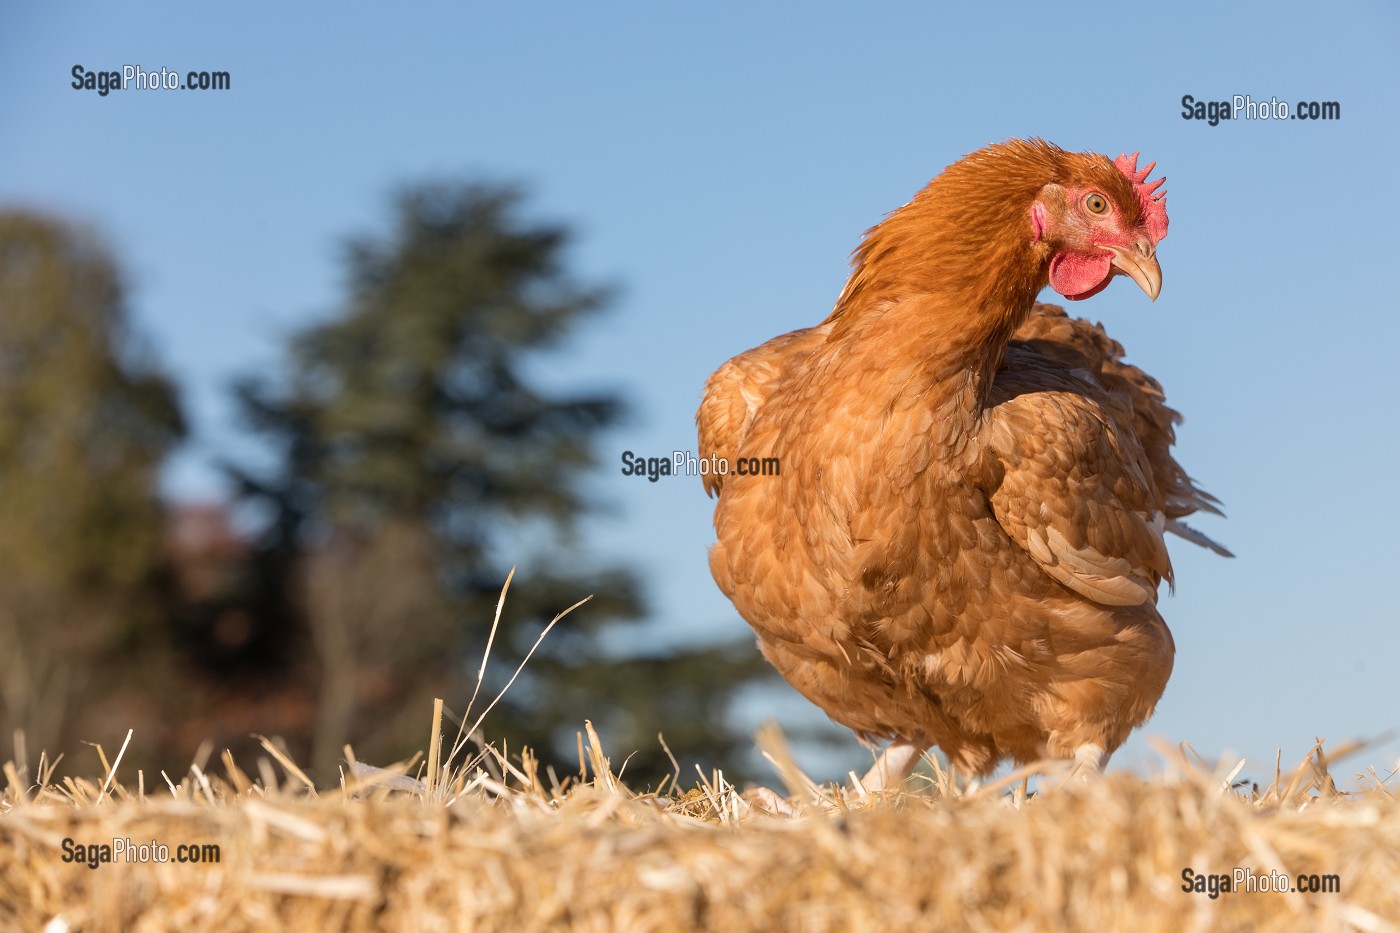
column 414, row 455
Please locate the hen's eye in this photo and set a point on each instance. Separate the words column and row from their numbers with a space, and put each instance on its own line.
column 1097, row 204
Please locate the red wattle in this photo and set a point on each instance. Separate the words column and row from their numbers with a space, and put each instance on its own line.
column 1077, row 276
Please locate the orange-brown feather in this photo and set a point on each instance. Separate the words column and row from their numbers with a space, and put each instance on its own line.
column 963, row 545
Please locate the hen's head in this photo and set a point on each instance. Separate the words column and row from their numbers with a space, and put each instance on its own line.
column 1098, row 220
column 994, row 227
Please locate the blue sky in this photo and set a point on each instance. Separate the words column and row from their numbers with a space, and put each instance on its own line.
column 718, row 163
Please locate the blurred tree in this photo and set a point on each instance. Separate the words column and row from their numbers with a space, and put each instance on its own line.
column 86, row 420
column 414, row 455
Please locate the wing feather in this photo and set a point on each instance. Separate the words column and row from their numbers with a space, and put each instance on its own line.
column 1142, row 408
column 1075, row 486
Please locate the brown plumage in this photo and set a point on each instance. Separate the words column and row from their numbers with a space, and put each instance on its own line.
column 964, row 544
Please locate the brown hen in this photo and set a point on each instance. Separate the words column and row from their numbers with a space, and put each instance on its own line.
column 964, row 544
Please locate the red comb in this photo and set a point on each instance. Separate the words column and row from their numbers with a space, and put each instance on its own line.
column 1154, row 203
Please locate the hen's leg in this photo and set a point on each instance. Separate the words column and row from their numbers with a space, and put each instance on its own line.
column 894, row 765
column 770, row 801
column 1089, row 758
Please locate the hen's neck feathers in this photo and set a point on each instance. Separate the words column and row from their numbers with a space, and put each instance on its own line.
column 958, row 265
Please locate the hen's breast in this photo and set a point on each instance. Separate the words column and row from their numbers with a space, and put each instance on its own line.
column 872, row 567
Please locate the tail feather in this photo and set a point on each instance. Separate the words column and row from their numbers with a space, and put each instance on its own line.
column 1182, row 530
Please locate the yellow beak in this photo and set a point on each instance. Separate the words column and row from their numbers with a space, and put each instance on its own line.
column 1140, row 265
